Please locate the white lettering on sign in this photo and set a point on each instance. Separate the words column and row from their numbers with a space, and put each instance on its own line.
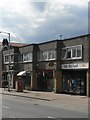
column 75, row 66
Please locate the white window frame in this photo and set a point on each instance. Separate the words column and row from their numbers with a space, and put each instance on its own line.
column 8, row 58
column 41, row 55
column 45, row 53
column 72, row 47
column 52, row 52
column 28, row 57
column 21, row 55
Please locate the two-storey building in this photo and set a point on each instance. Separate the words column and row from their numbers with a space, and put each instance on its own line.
column 62, row 66
column 75, row 65
column 9, row 59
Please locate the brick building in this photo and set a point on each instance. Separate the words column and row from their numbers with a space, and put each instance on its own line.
column 61, row 66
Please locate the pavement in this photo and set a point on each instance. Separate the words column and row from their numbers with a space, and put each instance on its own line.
column 48, row 96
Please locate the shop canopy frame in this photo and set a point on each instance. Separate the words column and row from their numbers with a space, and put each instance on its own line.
column 22, row 73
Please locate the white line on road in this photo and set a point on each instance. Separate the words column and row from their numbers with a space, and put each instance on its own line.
column 53, row 118
column 7, row 116
column 50, row 117
column 5, row 107
column 11, row 117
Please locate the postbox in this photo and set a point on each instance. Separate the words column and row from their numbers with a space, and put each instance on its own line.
column 19, row 85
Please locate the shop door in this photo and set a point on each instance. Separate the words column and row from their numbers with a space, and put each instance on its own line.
column 45, row 80
column 49, row 81
column 40, row 81
column 27, row 82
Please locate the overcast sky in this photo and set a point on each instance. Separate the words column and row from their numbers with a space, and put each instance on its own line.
column 40, row 21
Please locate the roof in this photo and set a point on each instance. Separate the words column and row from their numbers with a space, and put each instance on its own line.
column 18, row 44
column 15, row 44
column 80, row 36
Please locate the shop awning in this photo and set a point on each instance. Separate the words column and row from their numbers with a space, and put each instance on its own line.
column 22, row 73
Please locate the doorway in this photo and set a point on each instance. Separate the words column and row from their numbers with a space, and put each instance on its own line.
column 45, row 80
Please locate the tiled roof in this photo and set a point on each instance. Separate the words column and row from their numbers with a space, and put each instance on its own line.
column 15, row 44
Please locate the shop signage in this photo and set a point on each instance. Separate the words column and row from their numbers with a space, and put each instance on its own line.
column 75, row 66
column 51, row 64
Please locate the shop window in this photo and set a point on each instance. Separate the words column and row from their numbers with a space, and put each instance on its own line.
column 73, row 52
column 74, row 83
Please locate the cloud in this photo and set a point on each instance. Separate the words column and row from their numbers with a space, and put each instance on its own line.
column 34, row 22
column 39, row 5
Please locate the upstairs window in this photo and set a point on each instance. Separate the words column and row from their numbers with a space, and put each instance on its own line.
column 51, row 54
column 69, row 50
column 29, row 56
column 73, row 52
column 6, row 59
column 63, row 56
column 79, row 52
column 21, row 58
column 40, row 55
column 12, row 58
column 47, row 55
column 26, row 57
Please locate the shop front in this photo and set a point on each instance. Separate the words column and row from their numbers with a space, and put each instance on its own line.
column 5, row 78
column 25, row 76
column 74, row 82
column 45, row 81
column 74, row 78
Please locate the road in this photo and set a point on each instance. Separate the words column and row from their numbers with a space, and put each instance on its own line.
column 21, row 107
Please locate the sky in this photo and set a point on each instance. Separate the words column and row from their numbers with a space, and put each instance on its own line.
column 35, row 21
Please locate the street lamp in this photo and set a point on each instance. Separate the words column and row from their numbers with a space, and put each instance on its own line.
column 60, row 37
column 9, row 59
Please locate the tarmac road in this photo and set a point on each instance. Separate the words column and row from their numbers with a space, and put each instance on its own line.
column 21, row 107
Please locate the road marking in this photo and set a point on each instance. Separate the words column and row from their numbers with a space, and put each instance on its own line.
column 7, row 116
column 5, row 107
column 50, row 117
column 11, row 117
column 54, row 118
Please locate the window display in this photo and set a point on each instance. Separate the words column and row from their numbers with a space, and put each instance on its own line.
column 74, row 83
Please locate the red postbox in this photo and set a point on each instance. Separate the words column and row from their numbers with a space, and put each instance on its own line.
column 19, row 86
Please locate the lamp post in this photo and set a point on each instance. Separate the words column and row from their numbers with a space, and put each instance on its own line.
column 9, row 59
